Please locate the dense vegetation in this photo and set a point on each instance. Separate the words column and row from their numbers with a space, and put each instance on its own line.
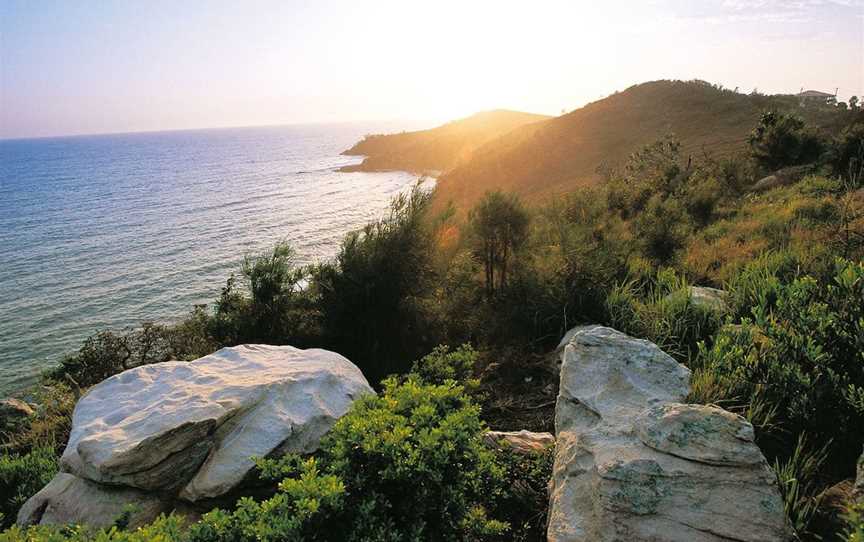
column 785, row 352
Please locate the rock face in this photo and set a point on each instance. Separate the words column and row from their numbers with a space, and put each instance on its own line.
column 191, row 429
column 633, row 463
column 523, row 442
column 69, row 499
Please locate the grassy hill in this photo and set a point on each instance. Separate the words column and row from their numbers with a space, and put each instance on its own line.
column 437, row 149
column 563, row 153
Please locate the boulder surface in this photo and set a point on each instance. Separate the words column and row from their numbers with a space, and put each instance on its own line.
column 634, row 463
column 191, row 429
column 69, row 499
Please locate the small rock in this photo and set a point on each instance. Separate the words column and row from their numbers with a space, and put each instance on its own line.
column 12, row 410
column 709, row 298
column 524, row 442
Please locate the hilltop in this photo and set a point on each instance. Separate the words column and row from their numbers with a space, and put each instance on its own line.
column 437, row 149
column 563, row 153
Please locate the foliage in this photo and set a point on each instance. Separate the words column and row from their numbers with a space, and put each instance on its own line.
column 525, row 499
column 783, row 140
column 21, row 476
column 443, row 365
column 801, row 353
column 499, row 228
column 270, row 307
column 847, row 153
column 855, row 519
column 414, row 463
column 659, row 308
column 107, row 353
column 373, row 299
column 797, row 479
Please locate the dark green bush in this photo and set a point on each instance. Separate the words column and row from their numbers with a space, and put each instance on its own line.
column 375, row 299
column 269, row 306
column 21, row 476
column 498, row 227
column 784, row 140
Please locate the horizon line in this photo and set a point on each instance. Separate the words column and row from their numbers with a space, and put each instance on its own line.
column 207, row 128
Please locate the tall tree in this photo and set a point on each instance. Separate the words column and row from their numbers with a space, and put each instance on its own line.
column 499, row 227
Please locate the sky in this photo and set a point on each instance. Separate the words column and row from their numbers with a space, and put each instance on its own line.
column 123, row 66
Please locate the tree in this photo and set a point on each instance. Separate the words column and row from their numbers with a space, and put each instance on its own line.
column 272, row 312
column 499, row 227
column 373, row 298
column 853, row 102
column 783, row 140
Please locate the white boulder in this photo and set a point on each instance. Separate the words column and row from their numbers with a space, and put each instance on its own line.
column 633, row 463
column 195, row 426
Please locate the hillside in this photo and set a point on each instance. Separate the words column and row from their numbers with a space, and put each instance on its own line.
column 437, row 149
column 565, row 152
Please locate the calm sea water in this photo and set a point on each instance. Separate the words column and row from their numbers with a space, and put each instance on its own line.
column 108, row 231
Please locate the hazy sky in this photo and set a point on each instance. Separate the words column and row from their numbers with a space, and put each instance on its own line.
column 115, row 66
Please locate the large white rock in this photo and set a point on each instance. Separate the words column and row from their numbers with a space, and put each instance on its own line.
column 632, row 463
column 68, row 499
column 193, row 427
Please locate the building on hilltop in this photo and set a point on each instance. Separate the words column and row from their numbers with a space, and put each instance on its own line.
column 806, row 97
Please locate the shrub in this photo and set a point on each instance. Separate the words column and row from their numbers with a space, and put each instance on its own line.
column 855, row 523
column 21, row 476
column 414, row 464
column 443, row 365
column 799, row 354
column 107, row 353
column 374, row 300
column 269, row 307
column 662, row 229
column 526, row 497
column 783, row 140
column 659, row 308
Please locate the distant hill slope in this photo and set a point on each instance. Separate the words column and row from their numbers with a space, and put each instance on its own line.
column 437, row 149
column 566, row 152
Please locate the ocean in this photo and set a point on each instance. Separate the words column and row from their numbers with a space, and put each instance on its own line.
column 109, row 231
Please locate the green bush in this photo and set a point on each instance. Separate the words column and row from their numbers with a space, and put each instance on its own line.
column 784, row 140
column 443, row 365
column 855, row 523
column 414, row 465
column 800, row 358
column 498, row 227
column 524, row 502
column 269, row 306
column 374, row 300
column 21, row 476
